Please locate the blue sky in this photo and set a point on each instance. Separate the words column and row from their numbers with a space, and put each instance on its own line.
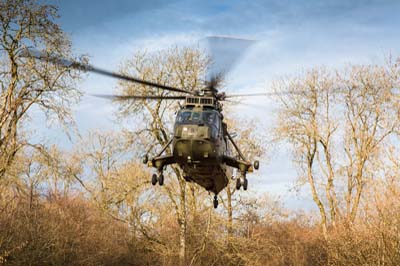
column 292, row 37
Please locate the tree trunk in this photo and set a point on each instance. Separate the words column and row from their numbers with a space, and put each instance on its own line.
column 359, row 188
column 230, row 211
column 330, row 189
column 310, row 161
column 318, row 202
column 182, row 223
column 357, row 198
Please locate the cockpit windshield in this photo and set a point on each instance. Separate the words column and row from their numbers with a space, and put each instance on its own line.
column 193, row 117
column 209, row 118
column 184, row 117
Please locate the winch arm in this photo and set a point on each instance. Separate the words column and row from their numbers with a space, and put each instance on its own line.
column 159, row 161
column 236, row 147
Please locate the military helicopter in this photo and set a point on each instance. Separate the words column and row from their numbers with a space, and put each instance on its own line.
column 201, row 143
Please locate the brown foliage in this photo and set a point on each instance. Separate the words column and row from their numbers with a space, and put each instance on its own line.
column 65, row 231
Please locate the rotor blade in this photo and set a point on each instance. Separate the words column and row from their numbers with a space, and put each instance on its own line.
column 86, row 67
column 225, row 52
column 248, row 94
column 253, row 105
column 138, row 97
column 263, row 94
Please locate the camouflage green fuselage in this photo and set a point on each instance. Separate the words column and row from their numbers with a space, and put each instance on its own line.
column 199, row 146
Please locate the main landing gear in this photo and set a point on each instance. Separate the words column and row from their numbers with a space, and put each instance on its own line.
column 157, row 178
column 242, row 182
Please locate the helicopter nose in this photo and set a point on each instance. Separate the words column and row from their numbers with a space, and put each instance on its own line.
column 192, row 131
column 194, row 150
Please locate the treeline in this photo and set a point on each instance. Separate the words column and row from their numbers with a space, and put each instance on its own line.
column 94, row 204
column 69, row 229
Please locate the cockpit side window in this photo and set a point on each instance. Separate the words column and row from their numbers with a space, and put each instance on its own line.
column 209, row 117
column 212, row 119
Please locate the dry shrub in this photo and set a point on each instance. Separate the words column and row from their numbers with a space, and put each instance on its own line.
column 282, row 243
column 375, row 237
column 72, row 231
column 65, row 231
column 364, row 245
column 278, row 243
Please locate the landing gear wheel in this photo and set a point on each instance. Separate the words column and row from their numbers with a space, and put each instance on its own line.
column 215, row 202
column 245, row 183
column 238, row 184
column 154, row 179
column 145, row 159
column 256, row 165
column 161, row 180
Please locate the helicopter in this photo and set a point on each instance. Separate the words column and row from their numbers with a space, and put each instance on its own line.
column 201, row 144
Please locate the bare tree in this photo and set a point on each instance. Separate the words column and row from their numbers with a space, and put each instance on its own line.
column 252, row 146
column 27, row 83
column 305, row 122
column 337, row 123
column 180, row 67
column 371, row 115
column 115, row 181
column 49, row 171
